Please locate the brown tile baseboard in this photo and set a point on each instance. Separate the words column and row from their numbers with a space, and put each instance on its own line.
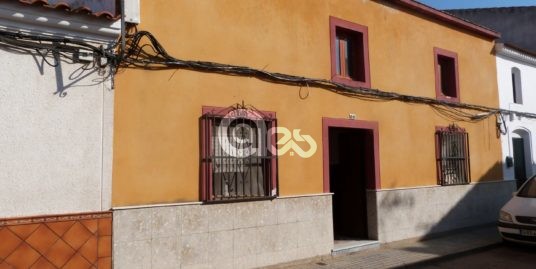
column 81, row 240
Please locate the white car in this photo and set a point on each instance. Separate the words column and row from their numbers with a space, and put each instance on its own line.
column 517, row 220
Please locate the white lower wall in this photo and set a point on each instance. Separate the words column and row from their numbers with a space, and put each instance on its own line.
column 55, row 151
column 233, row 235
column 417, row 212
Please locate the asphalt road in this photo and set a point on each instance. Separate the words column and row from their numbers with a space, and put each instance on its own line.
column 498, row 256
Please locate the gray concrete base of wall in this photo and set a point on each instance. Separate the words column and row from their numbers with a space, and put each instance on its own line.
column 417, row 212
column 262, row 233
column 233, row 235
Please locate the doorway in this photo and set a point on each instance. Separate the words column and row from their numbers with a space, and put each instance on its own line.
column 520, row 170
column 351, row 167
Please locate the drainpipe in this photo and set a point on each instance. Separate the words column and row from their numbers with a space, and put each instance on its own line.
column 123, row 45
column 123, row 29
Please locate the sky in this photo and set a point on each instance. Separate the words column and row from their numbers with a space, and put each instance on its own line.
column 454, row 4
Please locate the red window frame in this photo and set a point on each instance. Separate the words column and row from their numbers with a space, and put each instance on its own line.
column 206, row 177
column 346, row 28
column 440, row 54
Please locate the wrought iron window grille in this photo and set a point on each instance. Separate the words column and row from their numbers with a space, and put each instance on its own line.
column 452, row 156
column 238, row 160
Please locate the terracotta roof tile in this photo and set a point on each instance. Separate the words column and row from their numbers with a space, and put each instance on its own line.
column 109, row 9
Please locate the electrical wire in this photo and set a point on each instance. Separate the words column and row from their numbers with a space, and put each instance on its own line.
column 47, row 47
column 142, row 50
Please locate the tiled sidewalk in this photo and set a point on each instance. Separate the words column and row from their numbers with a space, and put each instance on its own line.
column 407, row 252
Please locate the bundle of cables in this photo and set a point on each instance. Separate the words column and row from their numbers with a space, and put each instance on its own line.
column 144, row 51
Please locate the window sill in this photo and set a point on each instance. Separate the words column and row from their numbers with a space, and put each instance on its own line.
column 448, row 99
column 456, row 184
column 350, row 82
column 239, row 200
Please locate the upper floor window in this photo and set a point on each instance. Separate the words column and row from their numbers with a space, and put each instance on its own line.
column 236, row 154
column 446, row 75
column 516, row 86
column 452, row 156
column 349, row 53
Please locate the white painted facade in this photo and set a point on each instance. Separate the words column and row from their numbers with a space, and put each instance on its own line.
column 56, row 122
column 510, row 60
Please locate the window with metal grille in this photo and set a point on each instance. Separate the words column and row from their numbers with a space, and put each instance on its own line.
column 237, row 161
column 452, row 155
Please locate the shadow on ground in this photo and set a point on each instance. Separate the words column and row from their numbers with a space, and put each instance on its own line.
column 493, row 256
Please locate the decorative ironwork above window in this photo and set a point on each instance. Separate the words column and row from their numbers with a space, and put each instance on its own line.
column 452, row 156
column 236, row 154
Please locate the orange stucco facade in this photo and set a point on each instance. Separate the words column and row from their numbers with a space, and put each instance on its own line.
column 156, row 143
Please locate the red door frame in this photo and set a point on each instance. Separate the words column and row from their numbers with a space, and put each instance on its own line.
column 373, row 183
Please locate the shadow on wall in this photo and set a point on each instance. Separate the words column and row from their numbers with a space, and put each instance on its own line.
column 77, row 75
column 477, row 205
column 532, row 172
column 449, row 208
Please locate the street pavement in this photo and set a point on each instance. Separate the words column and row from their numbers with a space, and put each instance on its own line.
column 480, row 247
column 495, row 257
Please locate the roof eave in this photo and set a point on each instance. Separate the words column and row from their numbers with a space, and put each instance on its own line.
column 516, row 53
column 447, row 18
column 112, row 14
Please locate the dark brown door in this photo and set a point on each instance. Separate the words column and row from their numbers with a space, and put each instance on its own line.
column 351, row 165
column 520, row 170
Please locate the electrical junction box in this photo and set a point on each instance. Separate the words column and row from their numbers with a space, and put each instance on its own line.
column 83, row 57
column 132, row 11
